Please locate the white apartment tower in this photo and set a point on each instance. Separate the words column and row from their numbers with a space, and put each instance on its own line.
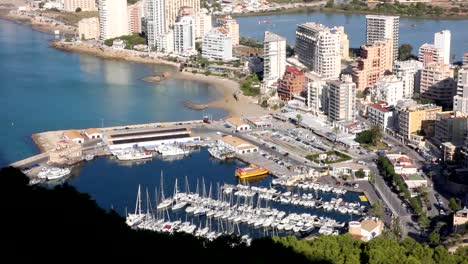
column 460, row 101
column 341, row 99
column 155, row 21
column 442, row 42
column 274, row 57
column 380, row 28
column 184, row 35
column 388, row 89
column 410, row 73
column 112, row 19
column 318, row 48
column 217, row 44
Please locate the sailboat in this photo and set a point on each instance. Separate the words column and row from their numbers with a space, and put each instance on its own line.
column 165, row 202
column 137, row 217
column 179, row 204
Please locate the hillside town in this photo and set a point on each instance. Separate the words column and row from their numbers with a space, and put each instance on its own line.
column 384, row 118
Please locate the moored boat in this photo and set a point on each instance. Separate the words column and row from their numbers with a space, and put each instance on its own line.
column 250, row 171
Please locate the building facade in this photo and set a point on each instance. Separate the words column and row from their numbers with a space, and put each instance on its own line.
column 341, row 99
column 217, row 44
column 375, row 61
column 112, row 19
column 318, row 48
column 410, row 73
column 172, row 8
column 437, row 84
column 416, row 119
column 231, row 25
column 380, row 28
column 135, row 14
column 388, row 89
column 450, row 127
column 184, row 35
column 155, row 22
column 460, row 101
column 317, row 94
column 88, row 28
column 344, row 42
column 442, row 42
column 204, row 25
column 85, row 5
column 274, row 57
column 291, row 84
column 428, row 53
column 380, row 115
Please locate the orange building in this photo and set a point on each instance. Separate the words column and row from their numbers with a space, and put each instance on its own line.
column 291, row 84
column 375, row 61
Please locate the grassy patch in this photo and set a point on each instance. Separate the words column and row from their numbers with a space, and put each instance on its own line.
column 378, row 146
column 71, row 18
column 333, row 156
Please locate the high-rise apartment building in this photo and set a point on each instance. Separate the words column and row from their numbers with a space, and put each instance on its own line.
column 410, row 73
column 465, row 59
column 217, row 44
column 429, row 53
column 344, row 42
column 291, row 84
column 341, row 99
column 442, row 42
column 379, row 28
column 388, row 89
column 113, row 18
column 460, row 101
column 135, row 13
column 417, row 118
column 184, row 35
column 318, row 48
column 231, row 25
column 88, row 28
column 274, row 57
column 155, row 22
column 375, row 61
column 317, row 95
column 437, row 83
column 172, row 8
column 204, row 25
column 84, row 5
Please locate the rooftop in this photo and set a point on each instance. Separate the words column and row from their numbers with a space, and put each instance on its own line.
column 72, row 134
column 236, row 142
column 270, row 37
column 90, row 131
column 371, row 224
column 379, row 107
column 294, row 70
column 236, row 121
column 413, row 177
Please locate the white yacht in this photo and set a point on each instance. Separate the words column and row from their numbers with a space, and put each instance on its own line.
column 216, row 153
column 53, row 173
column 89, row 157
column 133, row 154
column 170, row 150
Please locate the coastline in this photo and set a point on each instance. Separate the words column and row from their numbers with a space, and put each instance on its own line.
column 300, row 10
column 127, row 55
column 244, row 106
column 44, row 27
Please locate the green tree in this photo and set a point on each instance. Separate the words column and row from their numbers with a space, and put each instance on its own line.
column 360, row 174
column 423, row 222
column 434, row 238
column 78, row 10
column 454, row 205
column 377, row 209
column 330, row 4
column 404, row 52
column 264, row 104
column 198, row 47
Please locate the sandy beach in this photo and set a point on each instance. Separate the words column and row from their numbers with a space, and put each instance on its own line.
column 244, row 106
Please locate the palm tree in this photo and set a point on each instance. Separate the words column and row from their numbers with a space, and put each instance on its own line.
column 299, row 119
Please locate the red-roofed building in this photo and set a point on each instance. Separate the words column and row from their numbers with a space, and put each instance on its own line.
column 380, row 115
column 402, row 164
column 291, row 84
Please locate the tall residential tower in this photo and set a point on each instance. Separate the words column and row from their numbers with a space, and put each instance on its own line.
column 380, row 28
column 274, row 54
column 112, row 19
